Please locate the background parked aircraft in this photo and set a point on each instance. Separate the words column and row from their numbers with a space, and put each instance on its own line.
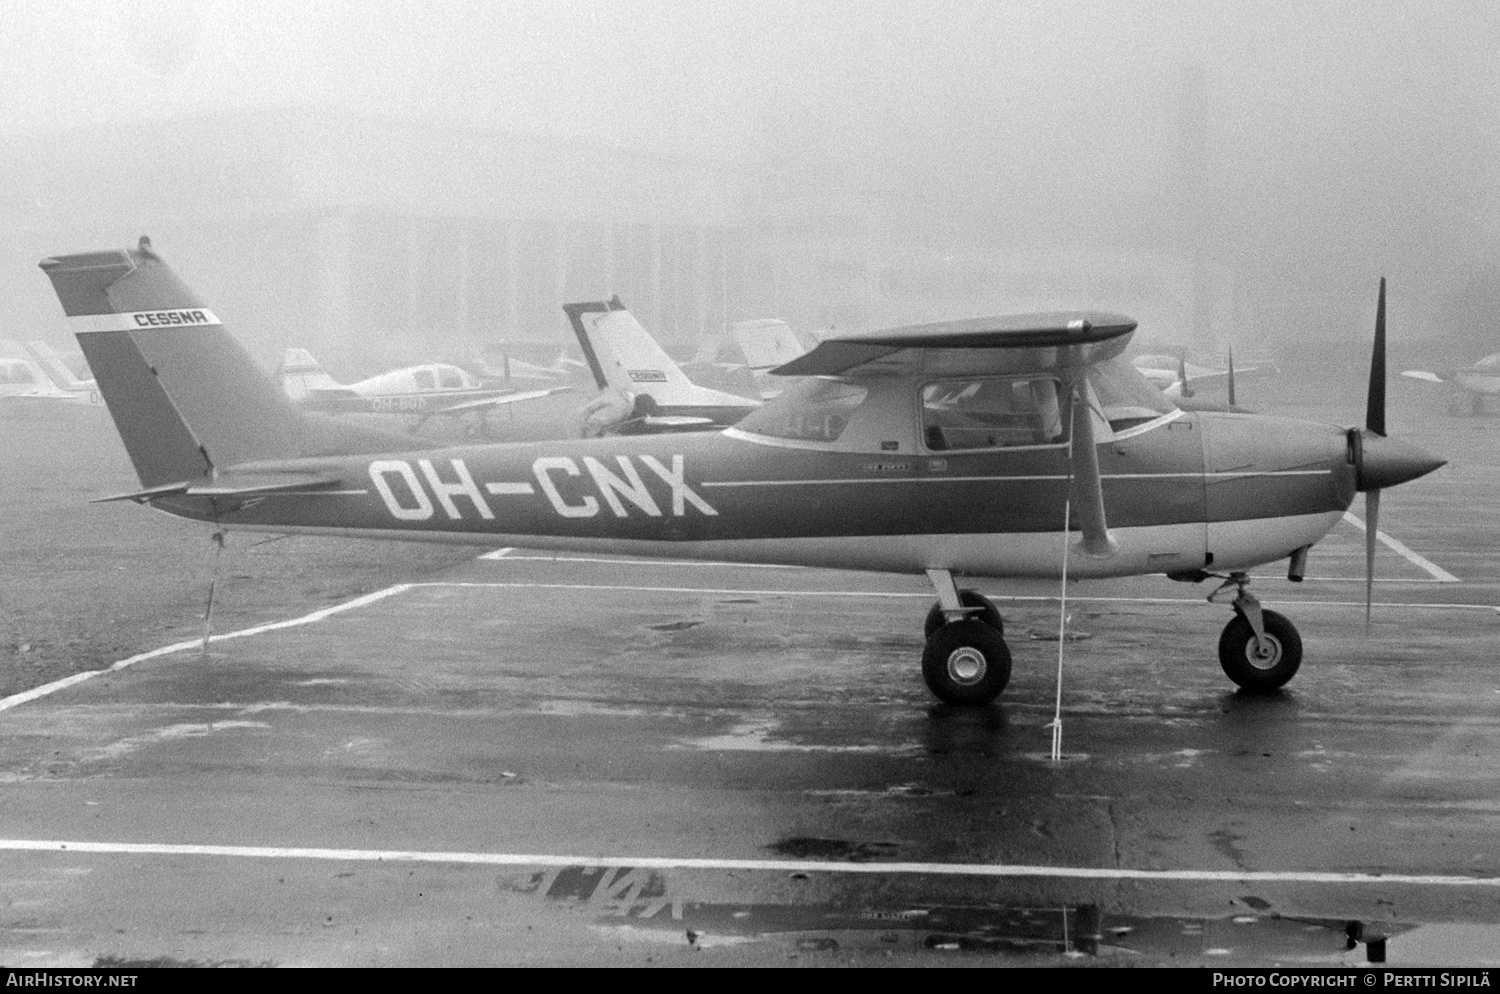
column 63, row 369
column 1170, row 374
column 421, row 391
column 23, row 378
column 1469, row 386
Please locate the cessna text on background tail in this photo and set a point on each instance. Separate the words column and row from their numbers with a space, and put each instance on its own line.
column 972, row 447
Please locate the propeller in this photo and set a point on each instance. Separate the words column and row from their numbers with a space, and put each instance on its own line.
column 1231, row 377
column 1375, row 424
column 1183, row 389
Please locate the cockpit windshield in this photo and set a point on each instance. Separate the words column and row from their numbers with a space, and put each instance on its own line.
column 814, row 410
column 1126, row 397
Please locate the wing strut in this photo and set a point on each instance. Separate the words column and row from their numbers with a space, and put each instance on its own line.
column 1086, row 491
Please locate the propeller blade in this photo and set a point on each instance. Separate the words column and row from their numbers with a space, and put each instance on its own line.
column 1231, row 376
column 1185, row 390
column 1375, row 407
column 1372, row 526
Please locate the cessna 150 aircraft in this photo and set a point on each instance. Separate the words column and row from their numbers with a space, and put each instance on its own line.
column 422, row 391
column 973, row 447
column 1470, row 386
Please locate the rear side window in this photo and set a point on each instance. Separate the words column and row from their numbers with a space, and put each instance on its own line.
column 993, row 413
column 424, row 379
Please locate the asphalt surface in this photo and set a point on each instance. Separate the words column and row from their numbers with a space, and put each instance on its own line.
column 528, row 759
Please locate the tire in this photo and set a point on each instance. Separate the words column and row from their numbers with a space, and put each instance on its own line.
column 968, row 598
column 966, row 662
column 1243, row 664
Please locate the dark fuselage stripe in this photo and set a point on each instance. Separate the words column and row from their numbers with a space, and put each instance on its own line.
column 1011, row 479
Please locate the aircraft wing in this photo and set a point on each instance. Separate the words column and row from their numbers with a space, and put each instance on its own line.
column 1016, row 341
column 1422, row 374
column 508, row 398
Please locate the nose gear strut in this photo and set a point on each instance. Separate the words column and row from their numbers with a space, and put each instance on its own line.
column 1259, row 650
column 1244, row 602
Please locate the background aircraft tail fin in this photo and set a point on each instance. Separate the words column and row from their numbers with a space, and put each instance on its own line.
column 623, row 355
column 186, row 397
column 768, row 343
column 300, row 374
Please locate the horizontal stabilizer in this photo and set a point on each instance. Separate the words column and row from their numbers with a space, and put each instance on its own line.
column 233, row 485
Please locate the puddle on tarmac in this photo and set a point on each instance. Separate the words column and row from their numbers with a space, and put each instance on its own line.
column 675, row 626
column 645, row 901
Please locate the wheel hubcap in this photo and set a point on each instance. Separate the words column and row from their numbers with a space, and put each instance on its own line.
column 1263, row 658
column 966, row 666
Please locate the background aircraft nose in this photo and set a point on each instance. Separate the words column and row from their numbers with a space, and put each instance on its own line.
column 1386, row 462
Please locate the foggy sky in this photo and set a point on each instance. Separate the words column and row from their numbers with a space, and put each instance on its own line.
column 1344, row 139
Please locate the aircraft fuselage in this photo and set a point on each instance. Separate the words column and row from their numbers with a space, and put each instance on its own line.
column 1195, row 491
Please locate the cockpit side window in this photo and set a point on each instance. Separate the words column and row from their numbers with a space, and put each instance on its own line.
column 993, row 413
column 424, row 379
column 450, row 379
column 815, row 410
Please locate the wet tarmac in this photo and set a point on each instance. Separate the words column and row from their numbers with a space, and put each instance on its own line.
column 529, row 759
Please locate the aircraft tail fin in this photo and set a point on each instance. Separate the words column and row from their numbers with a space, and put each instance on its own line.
column 185, row 395
column 624, row 357
column 301, row 373
column 767, row 343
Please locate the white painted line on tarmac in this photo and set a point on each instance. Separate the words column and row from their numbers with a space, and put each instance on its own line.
column 51, row 688
column 773, row 865
column 1437, row 572
column 1196, row 601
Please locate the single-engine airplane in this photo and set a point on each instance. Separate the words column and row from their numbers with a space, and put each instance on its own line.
column 1015, row 446
column 420, row 391
column 641, row 389
column 1470, row 386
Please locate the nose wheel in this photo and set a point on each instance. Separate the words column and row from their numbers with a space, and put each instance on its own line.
column 1258, row 649
column 966, row 660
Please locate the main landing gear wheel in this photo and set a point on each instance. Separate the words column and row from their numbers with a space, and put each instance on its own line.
column 1260, row 666
column 988, row 613
column 966, row 662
